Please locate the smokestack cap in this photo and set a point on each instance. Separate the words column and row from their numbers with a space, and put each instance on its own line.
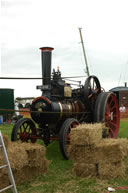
column 46, row 49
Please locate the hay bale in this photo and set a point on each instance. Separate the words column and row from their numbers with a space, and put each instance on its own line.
column 112, row 150
column 111, row 170
column 1, row 158
column 26, row 159
column 35, row 152
column 108, row 150
column 4, row 179
column 35, row 162
column 102, row 158
column 6, row 140
column 6, row 143
column 17, row 155
column 86, row 134
column 36, row 165
column 29, row 171
column 83, row 154
column 84, row 170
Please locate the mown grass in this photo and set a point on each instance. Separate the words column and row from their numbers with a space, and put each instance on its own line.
column 60, row 179
column 123, row 131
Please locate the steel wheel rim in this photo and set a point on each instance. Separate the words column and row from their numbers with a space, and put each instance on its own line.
column 67, row 139
column 112, row 116
column 25, row 131
column 72, row 125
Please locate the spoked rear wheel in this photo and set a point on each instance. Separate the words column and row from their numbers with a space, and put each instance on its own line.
column 24, row 130
column 64, row 135
column 107, row 111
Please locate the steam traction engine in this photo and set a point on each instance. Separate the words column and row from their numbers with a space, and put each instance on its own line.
column 60, row 108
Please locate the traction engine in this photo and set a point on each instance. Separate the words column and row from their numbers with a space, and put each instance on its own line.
column 61, row 108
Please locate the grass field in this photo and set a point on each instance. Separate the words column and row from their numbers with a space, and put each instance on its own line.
column 59, row 178
column 123, row 132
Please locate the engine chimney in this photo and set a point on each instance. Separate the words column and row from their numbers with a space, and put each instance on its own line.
column 46, row 53
column 46, row 56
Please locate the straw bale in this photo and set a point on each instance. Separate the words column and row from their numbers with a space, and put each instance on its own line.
column 6, row 143
column 6, row 140
column 36, row 165
column 17, row 155
column 112, row 150
column 1, row 158
column 26, row 159
column 106, row 159
column 4, row 179
column 35, row 152
column 83, row 154
column 26, row 154
column 108, row 150
column 126, row 162
column 86, row 134
column 111, row 170
column 84, row 170
column 28, row 172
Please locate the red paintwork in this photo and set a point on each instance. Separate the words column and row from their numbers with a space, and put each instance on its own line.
column 42, row 98
column 46, row 49
column 112, row 116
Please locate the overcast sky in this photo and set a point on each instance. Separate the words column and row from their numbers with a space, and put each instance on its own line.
column 27, row 25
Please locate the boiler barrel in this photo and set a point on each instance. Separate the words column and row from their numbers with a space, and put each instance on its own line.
column 49, row 112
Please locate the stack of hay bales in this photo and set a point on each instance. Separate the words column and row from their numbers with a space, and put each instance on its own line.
column 94, row 156
column 113, row 154
column 27, row 160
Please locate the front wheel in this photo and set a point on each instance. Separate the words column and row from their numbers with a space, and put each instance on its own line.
column 24, row 130
column 64, row 135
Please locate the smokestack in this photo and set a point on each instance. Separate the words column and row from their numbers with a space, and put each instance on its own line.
column 46, row 57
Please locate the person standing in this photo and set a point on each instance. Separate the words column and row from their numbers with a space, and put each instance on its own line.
column 122, row 108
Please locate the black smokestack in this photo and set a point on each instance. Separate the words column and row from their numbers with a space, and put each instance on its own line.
column 46, row 55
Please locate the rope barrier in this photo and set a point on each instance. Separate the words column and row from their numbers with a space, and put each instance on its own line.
column 44, row 112
column 33, row 78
